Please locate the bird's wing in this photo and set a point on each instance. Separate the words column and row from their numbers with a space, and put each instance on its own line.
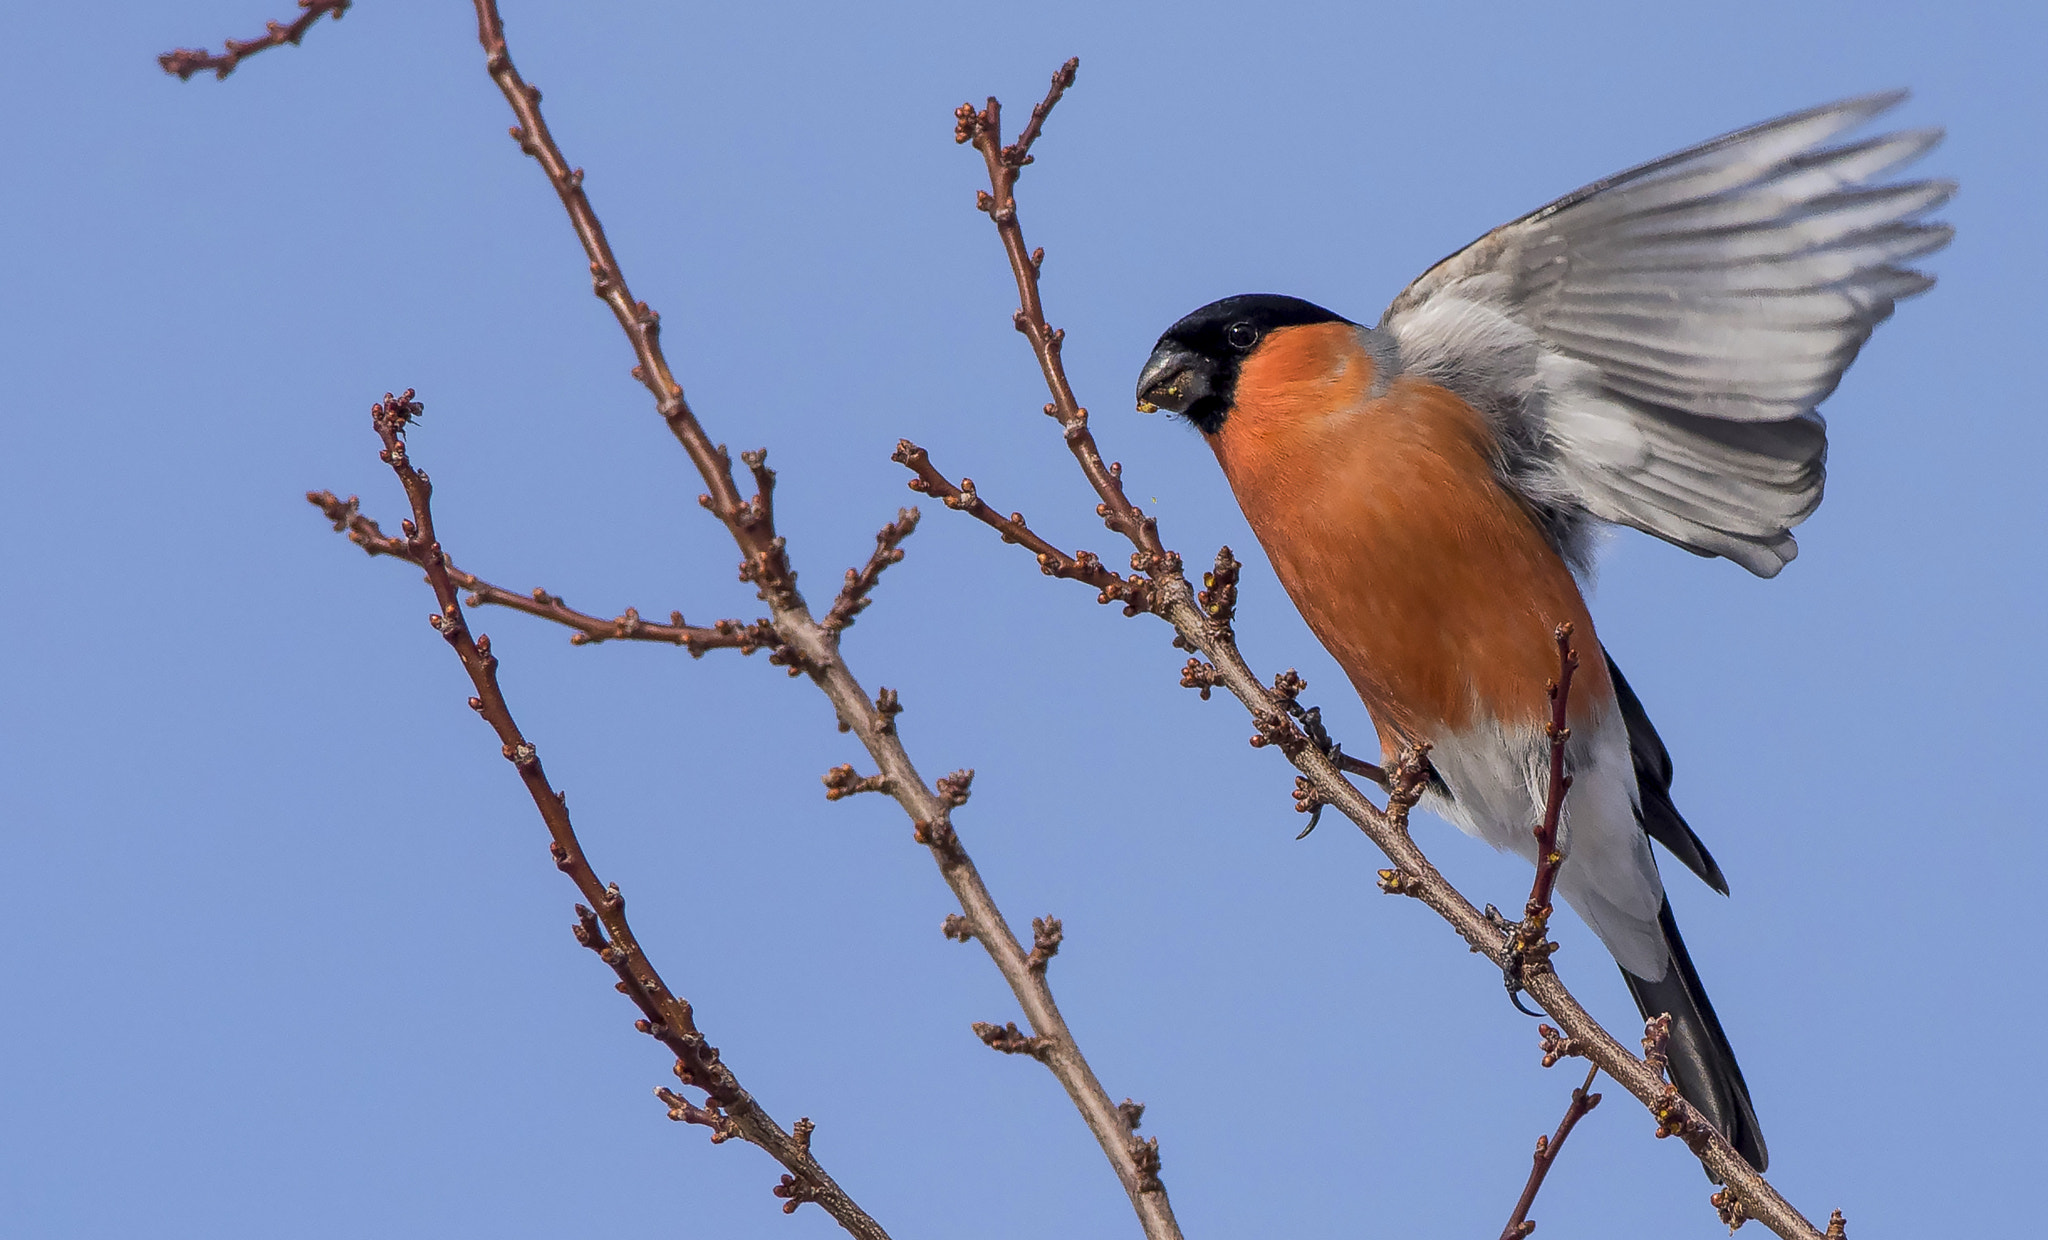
column 1651, row 348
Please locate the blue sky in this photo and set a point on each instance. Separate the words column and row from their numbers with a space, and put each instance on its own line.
column 286, row 955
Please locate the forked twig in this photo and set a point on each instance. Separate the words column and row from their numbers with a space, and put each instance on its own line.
column 804, row 644
column 601, row 924
column 812, row 646
column 1083, row 566
column 745, row 636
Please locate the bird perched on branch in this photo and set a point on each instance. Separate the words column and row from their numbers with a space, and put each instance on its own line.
column 1647, row 351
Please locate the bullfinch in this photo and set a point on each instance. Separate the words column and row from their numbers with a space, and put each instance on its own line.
column 1647, row 351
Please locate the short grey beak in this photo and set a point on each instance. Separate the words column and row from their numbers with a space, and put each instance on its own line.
column 1173, row 379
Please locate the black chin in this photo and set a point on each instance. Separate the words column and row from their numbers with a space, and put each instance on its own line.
column 1207, row 414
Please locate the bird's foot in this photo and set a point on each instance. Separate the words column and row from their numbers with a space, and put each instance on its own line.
column 1311, row 720
column 1526, row 946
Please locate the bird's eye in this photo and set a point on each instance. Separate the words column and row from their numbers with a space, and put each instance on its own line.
column 1241, row 335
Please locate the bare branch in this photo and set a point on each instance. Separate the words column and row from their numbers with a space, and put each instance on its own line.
column 1548, row 857
column 601, row 923
column 750, row 520
column 1083, row 566
column 1201, row 626
column 812, row 647
column 860, row 583
column 1546, row 1155
column 186, row 61
column 983, row 129
column 743, row 636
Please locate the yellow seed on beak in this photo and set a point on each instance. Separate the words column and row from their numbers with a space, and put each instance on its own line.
column 1146, row 406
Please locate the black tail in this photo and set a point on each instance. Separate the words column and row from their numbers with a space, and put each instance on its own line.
column 1702, row 1065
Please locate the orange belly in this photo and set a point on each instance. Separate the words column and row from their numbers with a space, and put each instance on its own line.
column 1431, row 584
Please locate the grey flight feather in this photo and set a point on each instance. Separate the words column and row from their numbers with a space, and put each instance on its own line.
column 1651, row 348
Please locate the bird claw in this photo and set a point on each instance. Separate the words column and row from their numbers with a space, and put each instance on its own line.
column 1514, row 986
column 1512, row 964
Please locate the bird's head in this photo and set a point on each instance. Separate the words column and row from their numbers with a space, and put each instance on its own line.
column 1195, row 367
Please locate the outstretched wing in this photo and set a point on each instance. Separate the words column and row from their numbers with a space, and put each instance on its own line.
column 1651, row 348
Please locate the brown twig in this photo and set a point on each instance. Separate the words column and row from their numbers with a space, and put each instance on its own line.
column 601, row 923
column 1200, row 631
column 186, row 61
column 1548, row 856
column 1083, row 566
column 853, row 596
column 1546, row 1155
column 750, row 520
column 745, row 636
column 814, row 649
column 1529, row 945
column 983, row 129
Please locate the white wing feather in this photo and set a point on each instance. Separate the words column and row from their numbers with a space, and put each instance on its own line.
column 1652, row 347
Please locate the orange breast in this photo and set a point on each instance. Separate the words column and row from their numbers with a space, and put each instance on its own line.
column 1433, row 587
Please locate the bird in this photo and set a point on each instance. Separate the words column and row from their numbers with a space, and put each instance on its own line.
column 1648, row 351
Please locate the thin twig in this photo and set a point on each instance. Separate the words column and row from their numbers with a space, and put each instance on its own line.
column 814, row 649
column 983, row 129
column 186, row 61
column 1529, row 945
column 1548, row 856
column 1168, row 593
column 745, row 636
column 1546, row 1155
column 860, row 583
column 1083, row 566
column 750, row 520
column 601, row 925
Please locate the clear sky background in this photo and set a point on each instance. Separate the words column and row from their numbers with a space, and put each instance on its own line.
column 285, row 955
